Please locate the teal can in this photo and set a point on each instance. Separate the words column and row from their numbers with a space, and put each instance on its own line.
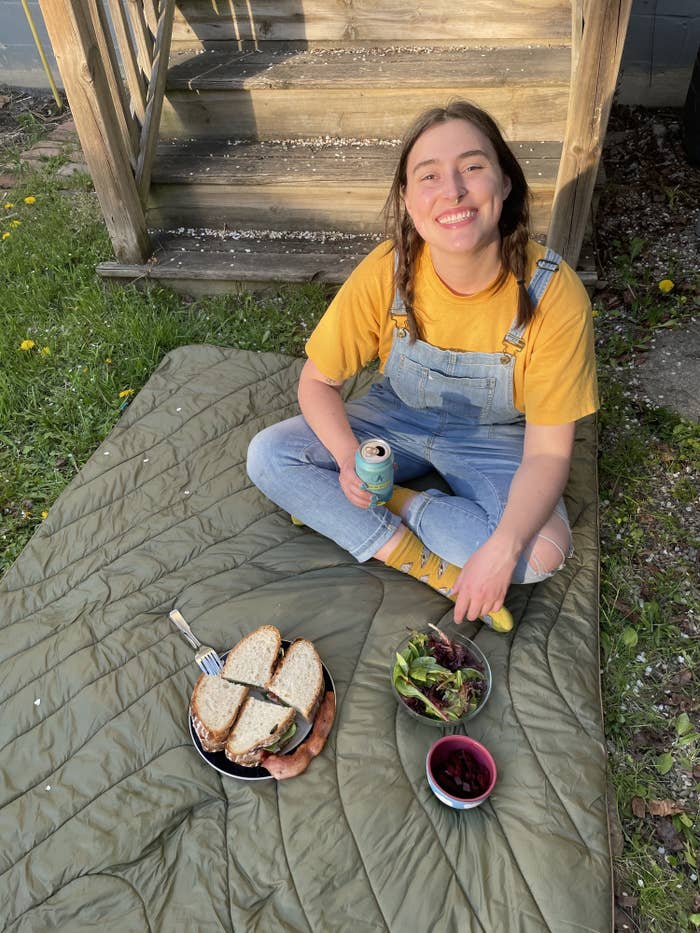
column 374, row 464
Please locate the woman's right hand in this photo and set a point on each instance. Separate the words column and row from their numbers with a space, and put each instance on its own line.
column 351, row 484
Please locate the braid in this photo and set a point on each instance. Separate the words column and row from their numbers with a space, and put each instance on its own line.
column 408, row 247
column 514, row 259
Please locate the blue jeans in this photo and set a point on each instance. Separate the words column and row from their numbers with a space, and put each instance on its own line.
column 294, row 469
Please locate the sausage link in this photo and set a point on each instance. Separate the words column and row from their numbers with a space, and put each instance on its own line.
column 288, row 766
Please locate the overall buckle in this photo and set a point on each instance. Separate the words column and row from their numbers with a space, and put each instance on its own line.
column 548, row 265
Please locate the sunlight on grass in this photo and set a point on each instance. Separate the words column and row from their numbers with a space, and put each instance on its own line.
column 69, row 349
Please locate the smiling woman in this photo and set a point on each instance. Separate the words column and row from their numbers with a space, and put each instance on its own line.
column 485, row 346
column 454, row 195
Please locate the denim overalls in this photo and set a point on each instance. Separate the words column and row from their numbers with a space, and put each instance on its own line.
column 438, row 409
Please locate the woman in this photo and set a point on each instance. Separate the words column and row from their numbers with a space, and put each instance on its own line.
column 486, row 347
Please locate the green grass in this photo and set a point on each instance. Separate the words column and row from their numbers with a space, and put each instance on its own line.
column 648, row 467
column 56, row 407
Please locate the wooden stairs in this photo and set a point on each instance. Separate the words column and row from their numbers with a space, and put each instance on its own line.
column 274, row 124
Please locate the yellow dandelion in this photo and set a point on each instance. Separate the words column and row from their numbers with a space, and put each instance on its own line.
column 45, row 351
column 15, row 223
column 125, row 393
column 8, row 205
column 30, row 199
column 25, row 514
column 665, row 286
column 6, row 236
column 27, row 345
column 108, row 360
column 44, row 514
column 595, row 312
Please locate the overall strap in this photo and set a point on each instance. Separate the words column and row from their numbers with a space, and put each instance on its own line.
column 544, row 270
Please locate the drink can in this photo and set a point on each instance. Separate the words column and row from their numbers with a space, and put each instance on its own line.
column 374, row 464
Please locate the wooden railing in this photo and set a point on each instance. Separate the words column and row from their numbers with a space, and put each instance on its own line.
column 113, row 58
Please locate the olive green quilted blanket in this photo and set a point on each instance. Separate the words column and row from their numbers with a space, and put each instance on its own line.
column 110, row 820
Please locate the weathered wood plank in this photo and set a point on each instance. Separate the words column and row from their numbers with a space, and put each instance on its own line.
column 154, row 102
column 142, row 36
column 132, row 72
column 593, row 86
column 371, row 68
column 373, row 20
column 150, row 14
column 211, row 265
column 117, row 90
column 104, row 146
column 345, row 207
column 523, row 113
column 206, row 265
column 223, row 162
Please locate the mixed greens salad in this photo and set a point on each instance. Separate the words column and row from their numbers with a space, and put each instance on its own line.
column 437, row 677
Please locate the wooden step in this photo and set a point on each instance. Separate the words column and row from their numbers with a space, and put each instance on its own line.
column 296, row 185
column 370, row 21
column 209, row 263
column 368, row 92
column 206, row 262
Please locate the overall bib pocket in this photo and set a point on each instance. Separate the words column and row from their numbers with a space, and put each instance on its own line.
column 467, row 398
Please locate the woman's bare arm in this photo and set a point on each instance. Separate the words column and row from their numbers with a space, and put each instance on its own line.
column 324, row 410
column 536, row 487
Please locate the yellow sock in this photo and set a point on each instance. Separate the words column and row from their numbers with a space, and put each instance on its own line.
column 399, row 497
column 411, row 556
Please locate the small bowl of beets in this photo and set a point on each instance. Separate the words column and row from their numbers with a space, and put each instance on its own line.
column 440, row 680
column 461, row 772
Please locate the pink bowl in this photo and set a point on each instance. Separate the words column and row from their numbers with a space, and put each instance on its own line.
column 438, row 754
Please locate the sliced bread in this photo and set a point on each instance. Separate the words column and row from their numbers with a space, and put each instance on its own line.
column 215, row 705
column 298, row 678
column 253, row 659
column 257, row 727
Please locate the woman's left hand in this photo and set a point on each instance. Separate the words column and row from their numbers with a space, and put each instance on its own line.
column 483, row 582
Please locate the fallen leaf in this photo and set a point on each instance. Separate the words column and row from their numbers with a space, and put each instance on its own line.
column 682, row 677
column 648, row 738
column 696, row 771
column 696, row 903
column 639, row 807
column 4, row 100
column 626, row 900
column 664, row 808
column 669, row 836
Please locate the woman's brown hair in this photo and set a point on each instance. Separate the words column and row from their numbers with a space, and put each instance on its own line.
column 513, row 224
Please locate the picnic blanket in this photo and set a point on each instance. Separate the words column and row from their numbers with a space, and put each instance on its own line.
column 109, row 818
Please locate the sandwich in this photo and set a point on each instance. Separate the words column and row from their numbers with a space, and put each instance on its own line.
column 298, row 678
column 214, row 708
column 261, row 728
column 253, row 659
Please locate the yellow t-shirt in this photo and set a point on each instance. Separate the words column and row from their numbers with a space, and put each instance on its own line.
column 555, row 376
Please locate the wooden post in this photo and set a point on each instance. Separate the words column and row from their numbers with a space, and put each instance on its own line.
column 592, row 89
column 154, row 100
column 132, row 71
column 77, row 53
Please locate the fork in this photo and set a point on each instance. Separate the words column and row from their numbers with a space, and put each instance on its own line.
column 208, row 660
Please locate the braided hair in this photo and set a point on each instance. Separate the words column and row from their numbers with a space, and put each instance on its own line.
column 513, row 224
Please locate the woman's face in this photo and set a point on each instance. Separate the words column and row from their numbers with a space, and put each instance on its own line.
column 455, row 188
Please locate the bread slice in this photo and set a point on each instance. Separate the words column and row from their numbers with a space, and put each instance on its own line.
column 298, row 678
column 214, row 707
column 253, row 659
column 259, row 725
